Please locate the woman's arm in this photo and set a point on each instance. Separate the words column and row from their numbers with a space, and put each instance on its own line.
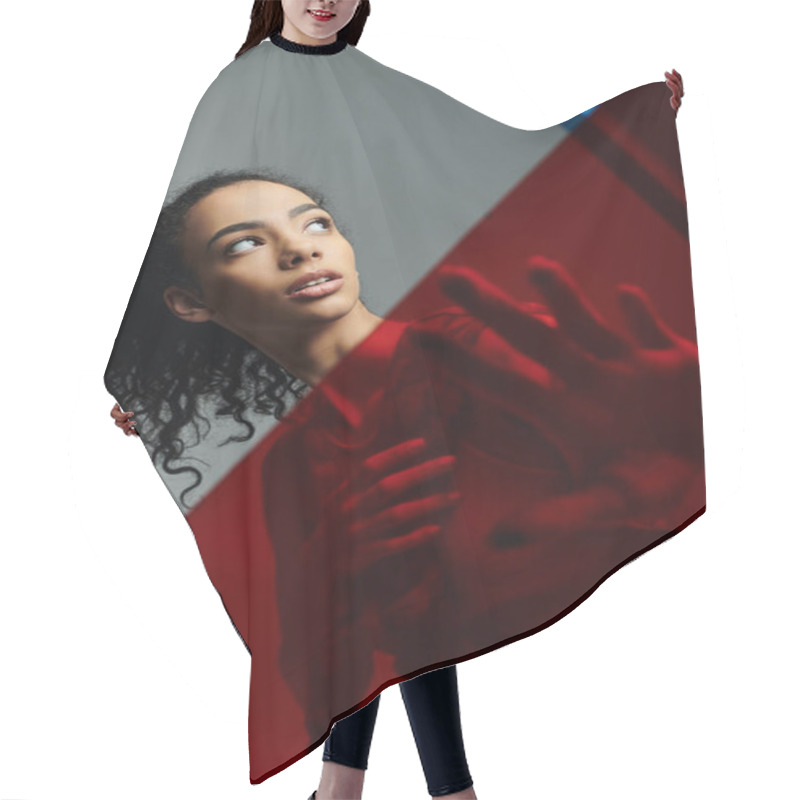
column 340, row 520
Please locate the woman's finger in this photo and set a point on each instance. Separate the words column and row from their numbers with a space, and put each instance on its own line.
column 121, row 418
column 675, row 83
column 576, row 316
column 385, row 548
column 127, row 424
column 392, row 488
column 525, row 328
column 642, row 319
column 391, row 521
column 349, row 497
column 391, row 459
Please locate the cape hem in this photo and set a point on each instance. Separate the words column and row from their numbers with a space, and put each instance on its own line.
column 476, row 653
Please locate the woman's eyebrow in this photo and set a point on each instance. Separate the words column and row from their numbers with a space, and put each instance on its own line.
column 245, row 226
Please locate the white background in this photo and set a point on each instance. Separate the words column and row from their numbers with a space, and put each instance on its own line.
column 120, row 674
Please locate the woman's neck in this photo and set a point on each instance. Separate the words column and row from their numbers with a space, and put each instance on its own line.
column 310, row 353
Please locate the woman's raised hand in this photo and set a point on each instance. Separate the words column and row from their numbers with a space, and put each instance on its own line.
column 124, row 420
column 675, row 82
column 595, row 393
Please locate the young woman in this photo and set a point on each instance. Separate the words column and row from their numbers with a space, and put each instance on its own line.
column 302, row 342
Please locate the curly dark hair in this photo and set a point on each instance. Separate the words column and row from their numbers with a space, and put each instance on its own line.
column 162, row 368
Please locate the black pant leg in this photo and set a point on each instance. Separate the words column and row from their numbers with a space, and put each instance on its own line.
column 433, row 710
column 350, row 738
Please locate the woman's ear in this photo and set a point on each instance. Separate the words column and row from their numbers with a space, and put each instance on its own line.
column 184, row 303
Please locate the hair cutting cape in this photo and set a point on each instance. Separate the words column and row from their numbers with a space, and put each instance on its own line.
column 522, row 419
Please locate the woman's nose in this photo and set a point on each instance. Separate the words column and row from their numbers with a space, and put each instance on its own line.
column 296, row 256
column 298, row 259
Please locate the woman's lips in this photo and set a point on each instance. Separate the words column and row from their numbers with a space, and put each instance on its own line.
column 323, row 16
column 331, row 281
column 320, row 290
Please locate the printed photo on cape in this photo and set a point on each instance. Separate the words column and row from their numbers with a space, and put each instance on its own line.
column 512, row 409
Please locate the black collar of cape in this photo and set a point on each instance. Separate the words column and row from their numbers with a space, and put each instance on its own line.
column 309, row 49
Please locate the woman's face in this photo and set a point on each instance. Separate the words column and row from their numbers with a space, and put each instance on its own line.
column 251, row 244
column 319, row 19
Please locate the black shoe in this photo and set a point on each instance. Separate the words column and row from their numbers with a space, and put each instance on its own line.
column 313, row 795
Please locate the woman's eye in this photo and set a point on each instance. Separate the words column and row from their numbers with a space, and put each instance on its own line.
column 234, row 247
column 241, row 245
column 326, row 223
